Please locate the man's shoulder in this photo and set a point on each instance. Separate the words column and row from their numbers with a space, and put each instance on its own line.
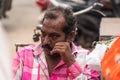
column 30, row 50
column 26, row 50
column 79, row 49
column 29, row 47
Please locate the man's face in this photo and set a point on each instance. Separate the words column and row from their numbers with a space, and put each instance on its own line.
column 52, row 33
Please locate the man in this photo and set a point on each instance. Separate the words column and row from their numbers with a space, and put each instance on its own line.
column 54, row 58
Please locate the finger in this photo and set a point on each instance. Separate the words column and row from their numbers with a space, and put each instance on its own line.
column 61, row 43
column 55, row 50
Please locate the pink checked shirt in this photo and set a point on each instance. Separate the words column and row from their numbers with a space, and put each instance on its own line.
column 30, row 64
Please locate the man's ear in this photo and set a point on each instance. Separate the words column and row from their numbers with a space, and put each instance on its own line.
column 71, row 36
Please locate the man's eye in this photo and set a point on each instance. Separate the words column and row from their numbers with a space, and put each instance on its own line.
column 54, row 36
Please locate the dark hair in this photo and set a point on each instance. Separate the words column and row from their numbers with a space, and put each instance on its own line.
column 67, row 13
column 87, row 29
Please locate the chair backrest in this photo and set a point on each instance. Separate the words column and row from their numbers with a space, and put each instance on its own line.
column 19, row 45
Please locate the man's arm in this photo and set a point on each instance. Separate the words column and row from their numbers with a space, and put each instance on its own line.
column 75, row 71
column 74, row 68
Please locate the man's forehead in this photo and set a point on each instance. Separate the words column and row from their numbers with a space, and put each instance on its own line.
column 50, row 31
column 59, row 22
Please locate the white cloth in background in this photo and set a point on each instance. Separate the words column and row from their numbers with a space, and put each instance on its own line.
column 94, row 58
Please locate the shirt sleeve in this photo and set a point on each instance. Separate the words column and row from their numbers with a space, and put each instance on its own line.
column 74, row 72
column 17, row 67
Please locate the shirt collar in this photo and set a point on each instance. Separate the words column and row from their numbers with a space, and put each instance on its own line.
column 37, row 49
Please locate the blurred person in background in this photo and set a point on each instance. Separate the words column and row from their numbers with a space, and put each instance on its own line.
column 56, row 57
column 88, row 28
column 2, row 2
column 88, row 33
column 5, row 57
column 5, row 5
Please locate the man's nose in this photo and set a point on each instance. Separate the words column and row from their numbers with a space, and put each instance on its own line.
column 46, row 40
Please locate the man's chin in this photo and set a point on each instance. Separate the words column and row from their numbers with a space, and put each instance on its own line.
column 55, row 55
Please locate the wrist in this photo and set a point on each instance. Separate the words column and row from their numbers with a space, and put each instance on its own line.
column 70, row 62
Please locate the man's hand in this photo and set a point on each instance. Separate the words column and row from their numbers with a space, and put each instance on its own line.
column 64, row 49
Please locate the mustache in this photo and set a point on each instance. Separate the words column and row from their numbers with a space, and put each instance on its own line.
column 47, row 46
